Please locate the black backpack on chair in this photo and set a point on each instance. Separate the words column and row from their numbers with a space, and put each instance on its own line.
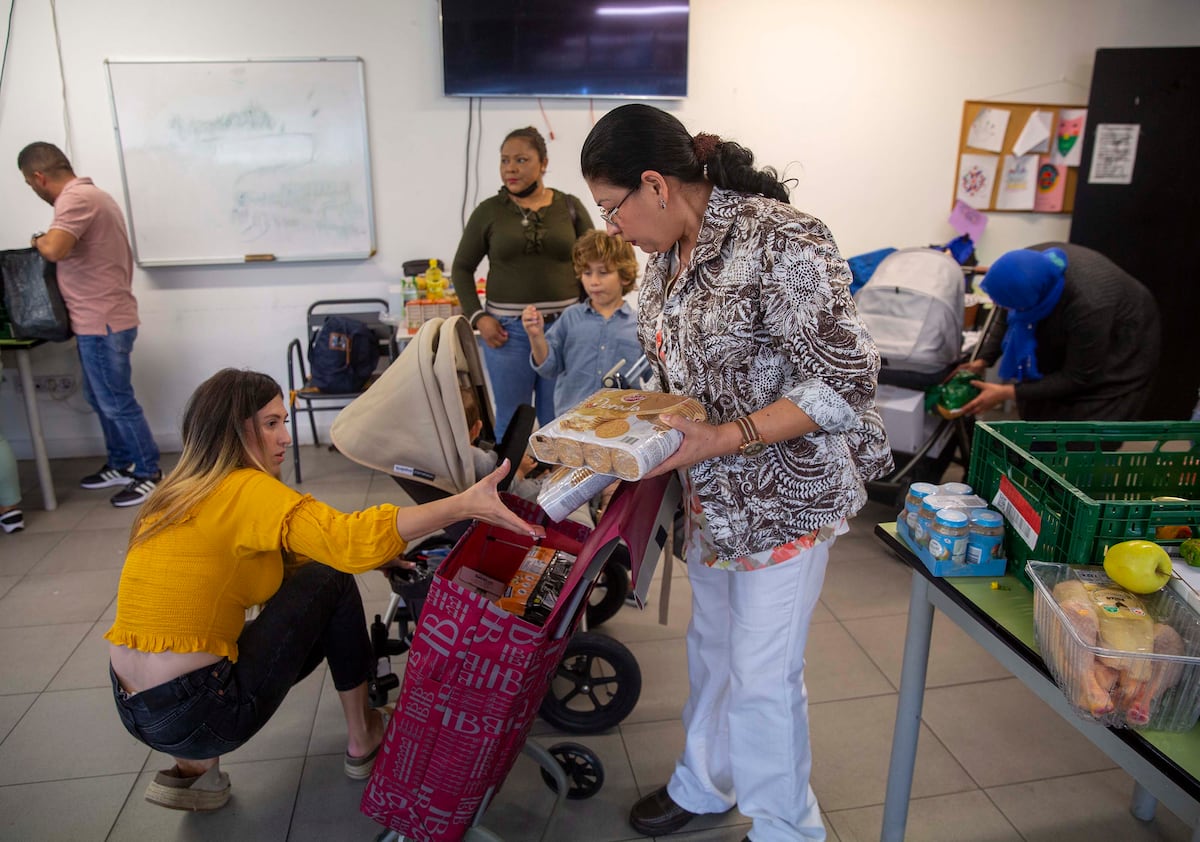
column 342, row 355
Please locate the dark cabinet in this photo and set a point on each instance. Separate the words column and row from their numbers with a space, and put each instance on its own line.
column 1151, row 227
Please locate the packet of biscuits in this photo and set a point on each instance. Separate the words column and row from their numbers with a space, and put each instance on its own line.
column 615, row 432
column 566, row 489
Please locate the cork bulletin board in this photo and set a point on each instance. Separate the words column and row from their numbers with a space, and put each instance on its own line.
column 1019, row 157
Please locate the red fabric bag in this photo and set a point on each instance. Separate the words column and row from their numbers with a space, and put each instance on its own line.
column 476, row 674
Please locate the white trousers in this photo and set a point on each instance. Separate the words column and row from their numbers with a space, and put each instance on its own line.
column 746, row 717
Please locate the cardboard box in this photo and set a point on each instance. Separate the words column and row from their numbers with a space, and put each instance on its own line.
column 907, row 423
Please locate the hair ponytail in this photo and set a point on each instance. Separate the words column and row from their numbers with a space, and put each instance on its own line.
column 731, row 167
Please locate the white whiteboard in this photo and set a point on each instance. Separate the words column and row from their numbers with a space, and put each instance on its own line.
column 235, row 161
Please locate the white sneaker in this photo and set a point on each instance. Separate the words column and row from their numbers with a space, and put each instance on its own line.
column 106, row 477
column 136, row 492
column 12, row 521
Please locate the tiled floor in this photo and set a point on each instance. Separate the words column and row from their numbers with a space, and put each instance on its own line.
column 994, row 762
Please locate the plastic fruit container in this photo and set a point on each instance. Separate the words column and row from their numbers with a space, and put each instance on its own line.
column 1071, row 658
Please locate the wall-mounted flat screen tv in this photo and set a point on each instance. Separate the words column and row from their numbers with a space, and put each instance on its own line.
column 631, row 49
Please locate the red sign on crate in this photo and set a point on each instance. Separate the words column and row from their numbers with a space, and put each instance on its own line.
column 1018, row 511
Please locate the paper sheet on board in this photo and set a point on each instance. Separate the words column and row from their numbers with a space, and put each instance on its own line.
column 988, row 128
column 1018, row 181
column 1051, row 186
column 1067, row 146
column 1114, row 153
column 966, row 220
column 1035, row 136
column 976, row 178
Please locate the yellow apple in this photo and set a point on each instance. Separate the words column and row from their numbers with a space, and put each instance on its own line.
column 1138, row 566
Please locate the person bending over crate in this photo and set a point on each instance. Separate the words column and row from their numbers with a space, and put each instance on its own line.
column 1078, row 337
column 190, row 676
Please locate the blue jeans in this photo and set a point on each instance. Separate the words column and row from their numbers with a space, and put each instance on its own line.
column 316, row 614
column 514, row 381
column 108, row 387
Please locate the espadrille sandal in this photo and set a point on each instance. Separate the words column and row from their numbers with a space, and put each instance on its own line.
column 200, row 793
column 360, row 768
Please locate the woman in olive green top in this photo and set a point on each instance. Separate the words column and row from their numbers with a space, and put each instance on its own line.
column 526, row 231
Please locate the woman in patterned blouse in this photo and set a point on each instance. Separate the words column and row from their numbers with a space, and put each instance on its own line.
column 746, row 307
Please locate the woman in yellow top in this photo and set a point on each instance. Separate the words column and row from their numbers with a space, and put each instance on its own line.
column 191, row 678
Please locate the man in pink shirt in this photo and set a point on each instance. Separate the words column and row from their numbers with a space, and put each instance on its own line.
column 88, row 241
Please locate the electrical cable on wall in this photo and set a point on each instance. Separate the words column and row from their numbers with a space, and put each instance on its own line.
column 478, row 142
column 7, row 40
column 546, row 119
column 462, row 211
column 62, row 75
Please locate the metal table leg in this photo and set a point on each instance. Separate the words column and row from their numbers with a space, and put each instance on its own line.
column 1143, row 804
column 25, row 370
column 908, row 711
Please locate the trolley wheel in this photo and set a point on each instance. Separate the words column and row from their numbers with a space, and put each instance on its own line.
column 608, row 594
column 585, row 773
column 596, row 685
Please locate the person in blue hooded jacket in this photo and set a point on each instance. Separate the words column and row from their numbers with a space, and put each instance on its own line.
column 1078, row 338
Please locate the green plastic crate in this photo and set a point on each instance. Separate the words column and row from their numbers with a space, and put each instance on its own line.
column 1066, row 498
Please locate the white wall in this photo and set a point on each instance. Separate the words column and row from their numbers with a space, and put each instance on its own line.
column 860, row 99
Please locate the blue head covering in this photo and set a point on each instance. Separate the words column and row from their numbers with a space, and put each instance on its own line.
column 1029, row 284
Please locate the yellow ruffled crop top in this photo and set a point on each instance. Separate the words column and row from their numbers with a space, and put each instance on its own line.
column 187, row 588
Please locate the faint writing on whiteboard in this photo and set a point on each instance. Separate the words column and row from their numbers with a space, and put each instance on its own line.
column 252, row 117
column 298, row 207
column 1114, row 153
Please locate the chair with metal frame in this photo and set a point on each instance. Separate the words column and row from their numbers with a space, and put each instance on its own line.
column 303, row 398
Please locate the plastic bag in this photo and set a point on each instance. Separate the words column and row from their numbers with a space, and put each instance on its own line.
column 35, row 306
column 948, row 398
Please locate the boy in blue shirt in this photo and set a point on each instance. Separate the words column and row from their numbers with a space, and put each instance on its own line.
column 593, row 336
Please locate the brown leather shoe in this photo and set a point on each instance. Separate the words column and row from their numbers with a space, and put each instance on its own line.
column 657, row 814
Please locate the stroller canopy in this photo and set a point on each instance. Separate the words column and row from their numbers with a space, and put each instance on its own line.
column 913, row 309
column 411, row 422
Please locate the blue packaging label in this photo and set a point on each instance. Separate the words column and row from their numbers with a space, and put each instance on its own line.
column 947, row 548
column 984, row 548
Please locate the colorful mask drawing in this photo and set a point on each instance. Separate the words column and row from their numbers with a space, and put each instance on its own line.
column 1068, row 134
column 1068, row 137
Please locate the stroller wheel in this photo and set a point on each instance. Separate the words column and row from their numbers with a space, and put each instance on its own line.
column 609, row 592
column 596, row 685
column 585, row 774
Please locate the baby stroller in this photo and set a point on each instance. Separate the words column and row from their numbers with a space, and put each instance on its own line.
column 412, row 425
column 913, row 306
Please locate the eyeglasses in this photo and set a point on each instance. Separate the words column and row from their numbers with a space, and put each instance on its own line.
column 608, row 214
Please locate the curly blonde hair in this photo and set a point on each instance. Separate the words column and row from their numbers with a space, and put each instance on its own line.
column 612, row 250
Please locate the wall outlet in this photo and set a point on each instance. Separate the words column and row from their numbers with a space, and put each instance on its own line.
column 54, row 384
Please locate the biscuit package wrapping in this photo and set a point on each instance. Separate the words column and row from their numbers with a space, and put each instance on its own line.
column 615, row 432
column 566, row 489
column 533, row 590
